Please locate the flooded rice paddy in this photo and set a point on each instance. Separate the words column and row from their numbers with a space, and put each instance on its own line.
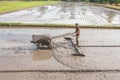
column 65, row 13
column 17, row 52
column 19, row 59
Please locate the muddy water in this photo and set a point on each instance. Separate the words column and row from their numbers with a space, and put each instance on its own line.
column 65, row 13
column 42, row 55
column 18, row 53
column 60, row 76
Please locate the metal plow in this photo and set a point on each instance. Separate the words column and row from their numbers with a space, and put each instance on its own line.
column 76, row 49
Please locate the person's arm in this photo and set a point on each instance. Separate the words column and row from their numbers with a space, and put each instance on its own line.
column 74, row 31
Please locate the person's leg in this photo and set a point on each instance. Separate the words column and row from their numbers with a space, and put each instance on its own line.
column 77, row 42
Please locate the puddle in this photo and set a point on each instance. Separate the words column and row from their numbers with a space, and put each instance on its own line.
column 65, row 13
column 42, row 54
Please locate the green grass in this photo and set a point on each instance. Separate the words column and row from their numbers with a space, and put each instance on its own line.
column 4, row 24
column 9, row 6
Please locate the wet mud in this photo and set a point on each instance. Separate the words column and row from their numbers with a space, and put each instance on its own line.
column 42, row 55
column 65, row 13
column 20, row 57
column 60, row 76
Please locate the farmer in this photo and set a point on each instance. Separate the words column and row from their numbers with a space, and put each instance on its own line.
column 77, row 33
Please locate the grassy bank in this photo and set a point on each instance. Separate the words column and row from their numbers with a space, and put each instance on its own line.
column 9, row 6
column 112, row 7
column 108, row 6
column 3, row 25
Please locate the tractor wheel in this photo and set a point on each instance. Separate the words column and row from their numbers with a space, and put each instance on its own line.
column 49, row 46
column 38, row 45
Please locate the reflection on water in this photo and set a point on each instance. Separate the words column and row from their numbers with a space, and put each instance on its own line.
column 42, row 10
column 65, row 13
column 111, row 16
column 41, row 54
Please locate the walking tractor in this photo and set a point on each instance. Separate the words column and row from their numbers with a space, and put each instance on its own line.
column 41, row 40
column 46, row 40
